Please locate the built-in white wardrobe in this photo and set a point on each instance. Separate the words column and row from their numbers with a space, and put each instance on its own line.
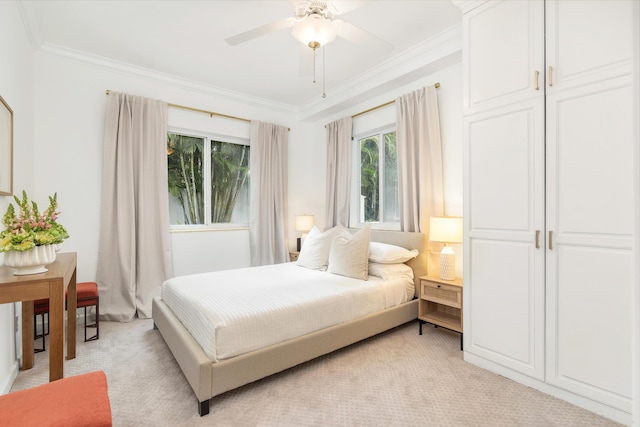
column 551, row 197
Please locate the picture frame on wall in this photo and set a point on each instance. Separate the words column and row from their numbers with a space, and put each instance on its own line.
column 6, row 148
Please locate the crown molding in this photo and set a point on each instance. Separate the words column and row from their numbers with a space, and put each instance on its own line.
column 159, row 77
column 34, row 34
column 392, row 73
column 421, row 60
column 425, row 58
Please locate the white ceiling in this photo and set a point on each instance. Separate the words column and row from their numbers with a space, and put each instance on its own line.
column 187, row 39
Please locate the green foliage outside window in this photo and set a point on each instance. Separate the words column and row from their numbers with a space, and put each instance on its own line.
column 185, row 163
column 229, row 175
column 379, row 178
column 391, row 196
column 370, row 177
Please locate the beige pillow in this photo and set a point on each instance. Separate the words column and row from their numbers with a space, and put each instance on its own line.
column 314, row 253
column 349, row 254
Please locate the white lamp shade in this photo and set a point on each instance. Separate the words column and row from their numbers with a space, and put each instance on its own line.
column 314, row 28
column 446, row 229
column 304, row 222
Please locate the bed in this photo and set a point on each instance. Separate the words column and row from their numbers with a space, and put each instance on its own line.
column 213, row 372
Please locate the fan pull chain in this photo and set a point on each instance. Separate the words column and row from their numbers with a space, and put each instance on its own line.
column 324, row 74
column 314, row 65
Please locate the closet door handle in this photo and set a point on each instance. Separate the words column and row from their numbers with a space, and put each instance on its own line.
column 550, row 240
column 550, row 75
column 537, row 239
column 536, row 77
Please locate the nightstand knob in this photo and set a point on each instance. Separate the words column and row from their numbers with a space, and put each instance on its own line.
column 438, row 285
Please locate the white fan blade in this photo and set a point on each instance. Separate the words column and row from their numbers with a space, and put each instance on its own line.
column 260, row 31
column 357, row 35
column 305, row 68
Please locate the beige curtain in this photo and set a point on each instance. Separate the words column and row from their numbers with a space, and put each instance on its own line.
column 134, row 255
column 420, row 180
column 338, row 171
column 268, row 194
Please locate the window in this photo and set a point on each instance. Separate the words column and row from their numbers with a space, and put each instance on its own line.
column 374, row 197
column 208, row 180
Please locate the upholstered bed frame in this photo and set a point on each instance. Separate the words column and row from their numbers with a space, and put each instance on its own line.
column 210, row 379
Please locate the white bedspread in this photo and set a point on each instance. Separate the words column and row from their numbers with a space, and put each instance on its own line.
column 236, row 311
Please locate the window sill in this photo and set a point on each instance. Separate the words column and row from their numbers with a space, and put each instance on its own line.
column 386, row 226
column 207, row 228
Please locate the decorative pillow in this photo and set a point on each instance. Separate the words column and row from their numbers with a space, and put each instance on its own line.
column 384, row 253
column 349, row 253
column 390, row 271
column 314, row 253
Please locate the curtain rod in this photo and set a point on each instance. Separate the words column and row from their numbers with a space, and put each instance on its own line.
column 437, row 85
column 210, row 113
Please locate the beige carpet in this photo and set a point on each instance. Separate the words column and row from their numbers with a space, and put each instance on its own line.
column 398, row 378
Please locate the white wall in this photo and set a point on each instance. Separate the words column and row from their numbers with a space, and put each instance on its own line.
column 16, row 87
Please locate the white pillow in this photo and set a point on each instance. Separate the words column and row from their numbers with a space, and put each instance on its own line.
column 384, row 253
column 349, row 253
column 314, row 253
column 390, row 271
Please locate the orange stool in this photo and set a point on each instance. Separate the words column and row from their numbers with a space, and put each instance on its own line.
column 40, row 308
column 87, row 297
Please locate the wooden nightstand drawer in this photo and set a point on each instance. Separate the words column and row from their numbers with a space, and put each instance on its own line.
column 441, row 293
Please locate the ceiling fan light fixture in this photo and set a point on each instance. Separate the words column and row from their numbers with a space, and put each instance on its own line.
column 314, row 31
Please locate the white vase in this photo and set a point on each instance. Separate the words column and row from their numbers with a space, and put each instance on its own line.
column 32, row 261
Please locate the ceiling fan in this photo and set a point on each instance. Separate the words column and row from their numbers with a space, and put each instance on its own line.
column 315, row 25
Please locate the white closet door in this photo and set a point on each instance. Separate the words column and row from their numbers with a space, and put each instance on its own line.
column 590, row 199
column 503, row 45
column 504, row 213
column 590, row 258
column 586, row 41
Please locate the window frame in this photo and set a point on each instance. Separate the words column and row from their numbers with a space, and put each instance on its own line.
column 208, row 137
column 354, row 197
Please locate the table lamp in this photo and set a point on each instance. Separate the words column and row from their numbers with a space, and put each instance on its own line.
column 446, row 229
column 303, row 223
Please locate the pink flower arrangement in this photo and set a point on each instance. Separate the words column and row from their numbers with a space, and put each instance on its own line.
column 29, row 228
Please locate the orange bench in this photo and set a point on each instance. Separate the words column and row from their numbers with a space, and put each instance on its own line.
column 73, row 401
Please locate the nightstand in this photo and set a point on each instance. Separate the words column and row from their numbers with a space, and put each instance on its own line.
column 441, row 304
column 294, row 255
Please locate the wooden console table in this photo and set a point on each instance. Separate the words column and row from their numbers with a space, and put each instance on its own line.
column 52, row 285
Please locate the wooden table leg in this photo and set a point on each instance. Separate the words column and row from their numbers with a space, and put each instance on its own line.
column 56, row 330
column 72, row 303
column 27, row 335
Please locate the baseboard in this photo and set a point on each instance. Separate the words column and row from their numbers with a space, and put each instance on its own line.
column 7, row 383
column 582, row 402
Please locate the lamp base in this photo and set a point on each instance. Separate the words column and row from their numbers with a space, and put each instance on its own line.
column 299, row 245
column 447, row 263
